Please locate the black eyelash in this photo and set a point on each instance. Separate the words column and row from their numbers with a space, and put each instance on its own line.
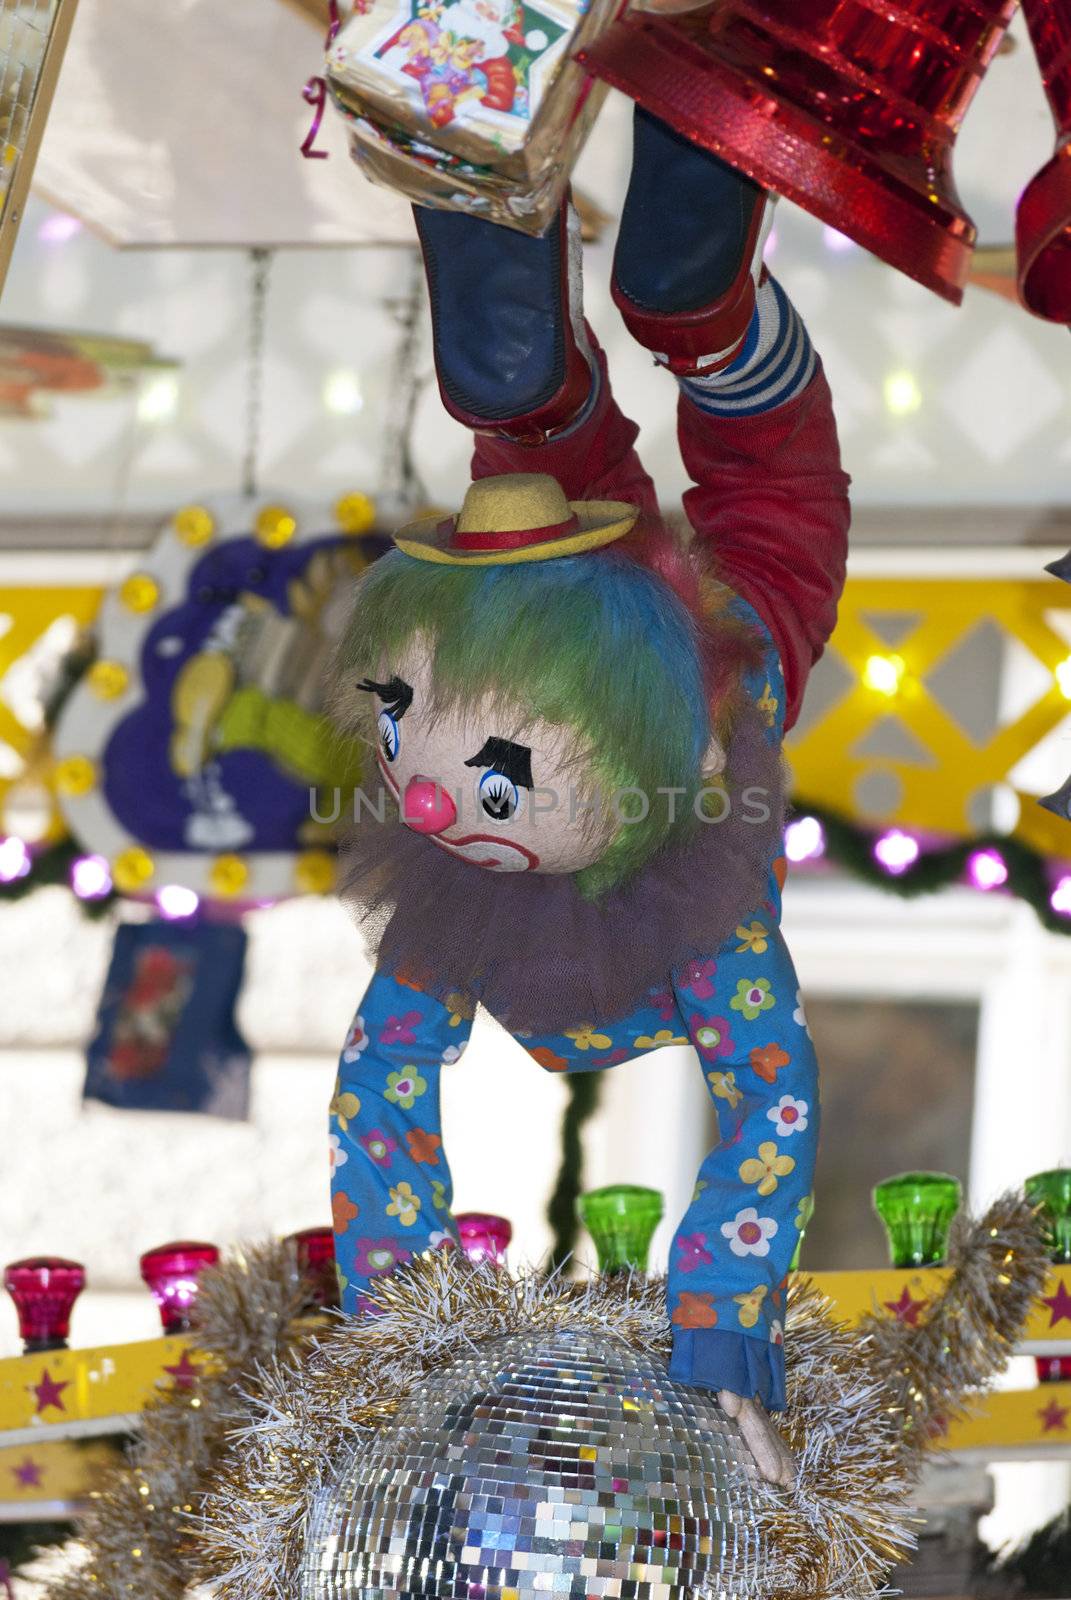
column 514, row 761
column 397, row 695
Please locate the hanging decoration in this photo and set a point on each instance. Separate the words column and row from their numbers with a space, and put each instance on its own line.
column 477, row 106
column 1044, row 213
column 166, row 1036
column 33, row 39
column 851, row 112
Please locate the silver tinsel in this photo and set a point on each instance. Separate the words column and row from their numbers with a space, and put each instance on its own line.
column 558, row 1462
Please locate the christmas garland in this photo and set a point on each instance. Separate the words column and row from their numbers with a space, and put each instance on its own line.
column 846, row 843
column 850, row 845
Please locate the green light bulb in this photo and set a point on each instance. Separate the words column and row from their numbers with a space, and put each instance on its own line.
column 917, row 1209
column 621, row 1220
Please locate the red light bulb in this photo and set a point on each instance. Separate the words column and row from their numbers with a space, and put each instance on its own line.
column 315, row 1252
column 44, row 1288
column 484, row 1237
column 171, row 1272
column 1053, row 1369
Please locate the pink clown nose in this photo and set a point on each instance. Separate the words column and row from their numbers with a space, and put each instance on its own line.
column 428, row 807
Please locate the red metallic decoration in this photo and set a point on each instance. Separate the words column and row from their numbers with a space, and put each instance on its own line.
column 1043, row 218
column 44, row 1289
column 314, row 1249
column 171, row 1272
column 484, row 1237
column 848, row 107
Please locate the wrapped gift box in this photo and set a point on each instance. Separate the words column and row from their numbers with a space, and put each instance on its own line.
column 475, row 105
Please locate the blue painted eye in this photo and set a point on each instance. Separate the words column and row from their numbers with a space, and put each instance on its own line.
column 499, row 796
column 390, row 735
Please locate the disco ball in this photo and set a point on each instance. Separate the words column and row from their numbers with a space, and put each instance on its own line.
column 556, row 1463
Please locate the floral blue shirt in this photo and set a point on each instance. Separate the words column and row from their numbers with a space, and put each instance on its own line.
column 741, row 1011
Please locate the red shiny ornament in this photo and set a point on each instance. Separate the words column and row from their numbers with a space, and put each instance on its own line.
column 848, row 107
column 484, row 1237
column 1043, row 217
column 171, row 1272
column 44, row 1289
column 314, row 1249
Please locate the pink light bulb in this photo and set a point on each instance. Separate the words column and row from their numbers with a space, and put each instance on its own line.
column 1060, row 899
column 44, row 1289
column 896, row 851
column 15, row 860
column 805, row 839
column 484, row 1237
column 171, row 1272
column 175, row 901
column 987, row 869
column 91, row 878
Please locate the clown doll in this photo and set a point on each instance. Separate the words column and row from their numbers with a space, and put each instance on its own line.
column 579, row 722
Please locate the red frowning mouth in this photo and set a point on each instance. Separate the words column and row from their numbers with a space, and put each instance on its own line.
column 489, row 850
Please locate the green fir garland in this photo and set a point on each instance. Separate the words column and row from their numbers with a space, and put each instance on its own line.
column 851, row 846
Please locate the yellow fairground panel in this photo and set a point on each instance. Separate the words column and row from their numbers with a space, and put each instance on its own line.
column 37, row 1479
column 1031, row 1423
column 72, row 1393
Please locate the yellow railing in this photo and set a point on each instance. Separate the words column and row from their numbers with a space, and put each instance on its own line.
column 894, row 683
column 885, row 682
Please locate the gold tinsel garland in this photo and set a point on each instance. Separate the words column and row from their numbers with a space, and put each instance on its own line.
column 136, row 1537
column 218, row 1491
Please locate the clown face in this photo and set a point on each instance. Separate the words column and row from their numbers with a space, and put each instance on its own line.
column 501, row 791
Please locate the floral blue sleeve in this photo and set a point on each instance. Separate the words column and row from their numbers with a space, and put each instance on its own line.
column 731, row 1254
column 390, row 1184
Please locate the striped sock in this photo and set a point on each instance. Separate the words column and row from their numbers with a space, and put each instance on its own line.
column 777, row 362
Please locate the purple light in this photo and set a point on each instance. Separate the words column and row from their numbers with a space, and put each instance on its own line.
column 987, row 869
column 15, row 861
column 805, row 839
column 60, row 228
column 176, row 901
column 1060, row 899
column 91, row 878
column 770, row 249
column 896, row 851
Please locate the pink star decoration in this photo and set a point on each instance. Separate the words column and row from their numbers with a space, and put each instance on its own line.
column 1059, row 1304
column 185, row 1372
column 905, row 1309
column 49, row 1392
column 1054, row 1418
column 27, row 1474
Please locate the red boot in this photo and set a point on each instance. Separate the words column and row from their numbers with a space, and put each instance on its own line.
column 771, row 507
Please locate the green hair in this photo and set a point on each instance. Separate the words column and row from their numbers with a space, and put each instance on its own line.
column 593, row 643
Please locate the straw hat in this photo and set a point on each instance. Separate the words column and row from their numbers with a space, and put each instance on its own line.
column 519, row 516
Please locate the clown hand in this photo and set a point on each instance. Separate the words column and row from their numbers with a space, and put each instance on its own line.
column 775, row 1461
